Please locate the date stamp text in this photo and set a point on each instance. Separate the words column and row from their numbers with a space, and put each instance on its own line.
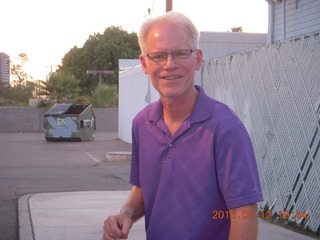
column 261, row 214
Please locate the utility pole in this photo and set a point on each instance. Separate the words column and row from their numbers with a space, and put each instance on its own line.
column 168, row 5
column 100, row 73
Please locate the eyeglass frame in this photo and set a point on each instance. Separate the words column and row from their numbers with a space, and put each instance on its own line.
column 170, row 53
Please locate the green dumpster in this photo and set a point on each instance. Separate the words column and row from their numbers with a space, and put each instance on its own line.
column 69, row 122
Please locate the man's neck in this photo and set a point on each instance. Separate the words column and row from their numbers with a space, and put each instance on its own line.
column 176, row 110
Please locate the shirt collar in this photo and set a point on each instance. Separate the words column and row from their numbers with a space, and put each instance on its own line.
column 203, row 107
column 201, row 112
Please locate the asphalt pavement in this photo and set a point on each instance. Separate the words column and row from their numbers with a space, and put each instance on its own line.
column 30, row 165
column 80, row 214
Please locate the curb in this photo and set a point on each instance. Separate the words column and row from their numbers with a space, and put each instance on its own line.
column 24, row 218
column 117, row 156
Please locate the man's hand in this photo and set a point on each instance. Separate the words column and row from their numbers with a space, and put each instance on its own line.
column 117, row 227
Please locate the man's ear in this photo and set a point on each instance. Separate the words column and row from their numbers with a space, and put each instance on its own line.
column 199, row 60
column 143, row 63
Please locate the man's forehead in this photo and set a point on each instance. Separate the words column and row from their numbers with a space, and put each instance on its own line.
column 156, row 34
column 164, row 29
column 166, row 36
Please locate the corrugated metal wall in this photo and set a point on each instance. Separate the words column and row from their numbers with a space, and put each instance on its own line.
column 275, row 90
column 217, row 44
column 295, row 17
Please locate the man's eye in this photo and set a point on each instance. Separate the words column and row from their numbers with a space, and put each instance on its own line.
column 157, row 56
column 181, row 54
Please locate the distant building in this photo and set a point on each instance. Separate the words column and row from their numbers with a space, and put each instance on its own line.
column 289, row 18
column 125, row 64
column 4, row 69
column 219, row 44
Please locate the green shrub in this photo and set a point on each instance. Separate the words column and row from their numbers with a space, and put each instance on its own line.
column 104, row 96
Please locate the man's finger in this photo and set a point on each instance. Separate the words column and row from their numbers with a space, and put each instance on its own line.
column 112, row 228
column 127, row 224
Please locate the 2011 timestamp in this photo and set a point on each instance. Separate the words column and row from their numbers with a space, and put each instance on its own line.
column 262, row 214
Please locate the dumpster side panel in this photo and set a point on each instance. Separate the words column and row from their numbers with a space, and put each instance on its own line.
column 61, row 128
column 87, row 124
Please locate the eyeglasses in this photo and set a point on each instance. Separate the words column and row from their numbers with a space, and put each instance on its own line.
column 178, row 55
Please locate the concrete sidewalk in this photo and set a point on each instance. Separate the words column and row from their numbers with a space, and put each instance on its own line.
column 80, row 216
column 71, row 215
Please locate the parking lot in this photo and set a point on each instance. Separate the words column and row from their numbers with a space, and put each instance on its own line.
column 29, row 164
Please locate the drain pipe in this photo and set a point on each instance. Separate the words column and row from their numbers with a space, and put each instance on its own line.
column 271, row 22
column 284, row 25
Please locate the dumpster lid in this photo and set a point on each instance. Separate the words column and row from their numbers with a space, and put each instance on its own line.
column 59, row 109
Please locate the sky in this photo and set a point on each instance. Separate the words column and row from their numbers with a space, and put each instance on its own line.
column 47, row 29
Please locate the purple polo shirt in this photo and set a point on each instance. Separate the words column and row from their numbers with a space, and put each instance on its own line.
column 207, row 165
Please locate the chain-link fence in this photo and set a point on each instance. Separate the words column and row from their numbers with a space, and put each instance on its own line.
column 275, row 90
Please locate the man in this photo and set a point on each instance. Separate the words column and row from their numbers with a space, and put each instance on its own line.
column 193, row 170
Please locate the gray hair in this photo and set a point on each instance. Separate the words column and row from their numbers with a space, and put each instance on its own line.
column 172, row 17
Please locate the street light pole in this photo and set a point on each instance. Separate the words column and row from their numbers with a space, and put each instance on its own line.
column 168, row 5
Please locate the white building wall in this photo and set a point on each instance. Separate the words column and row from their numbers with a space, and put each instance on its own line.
column 135, row 92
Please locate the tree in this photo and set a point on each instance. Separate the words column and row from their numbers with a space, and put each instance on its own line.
column 4, row 93
column 61, row 88
column 16, row 69
column 236, row 29
column 3, row 89
column 21, row 92
column 22, row 89
column 100, row 52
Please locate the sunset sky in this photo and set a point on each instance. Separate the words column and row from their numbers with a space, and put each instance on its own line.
column 47, row 29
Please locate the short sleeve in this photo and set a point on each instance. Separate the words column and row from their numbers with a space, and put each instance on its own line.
column 237, row 169
column 134, row 172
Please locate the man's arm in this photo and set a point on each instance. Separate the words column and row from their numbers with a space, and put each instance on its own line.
column 135, row 202
column 244, row 224
column 118, row 226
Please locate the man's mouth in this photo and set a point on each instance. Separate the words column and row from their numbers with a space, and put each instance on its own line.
column 171, row 77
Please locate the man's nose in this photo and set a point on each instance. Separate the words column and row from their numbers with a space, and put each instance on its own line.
column 170, row 62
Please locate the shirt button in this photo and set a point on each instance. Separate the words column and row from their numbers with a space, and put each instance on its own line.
column 170, row 145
